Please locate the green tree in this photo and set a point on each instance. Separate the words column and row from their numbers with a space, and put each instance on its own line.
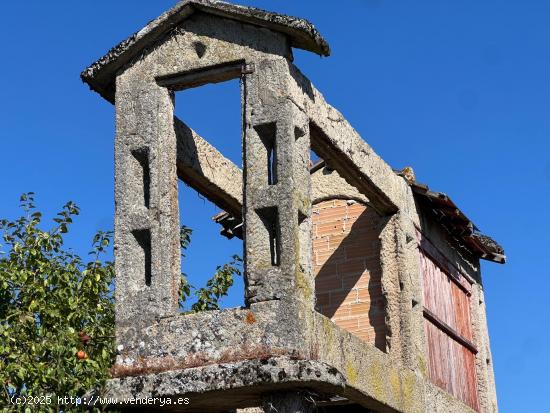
column 57, row 310
column 217, row 287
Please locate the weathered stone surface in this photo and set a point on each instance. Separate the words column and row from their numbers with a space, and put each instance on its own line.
column 214, row 337
column 277, row 192
column 147, row 255
column 336, row 362
column 336, row 141
column 439, row 401
column 204, row 168
column 326, row 183
column 372, row 378
column 270, row 352
column 238, row 384
column 147, row 222
column 484, row 359
column 100, row 74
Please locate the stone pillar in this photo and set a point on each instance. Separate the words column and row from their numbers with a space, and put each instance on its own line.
column 147, row 257
column 413, row 340
column 277, row 201
column 402, row 283
column 484, row 363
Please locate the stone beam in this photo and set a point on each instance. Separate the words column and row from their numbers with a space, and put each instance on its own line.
column 336, row 141
column 204, row 168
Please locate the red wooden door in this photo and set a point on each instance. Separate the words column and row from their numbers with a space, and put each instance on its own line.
column 448, row 328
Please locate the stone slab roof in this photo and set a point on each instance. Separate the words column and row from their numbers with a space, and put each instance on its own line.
column 101, row 74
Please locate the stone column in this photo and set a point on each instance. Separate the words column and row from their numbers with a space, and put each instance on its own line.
column 413, row 340
column 484, row 367
column 277, row 202
column 147, row 259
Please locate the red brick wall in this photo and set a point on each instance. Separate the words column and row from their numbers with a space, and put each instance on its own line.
column 346, row 255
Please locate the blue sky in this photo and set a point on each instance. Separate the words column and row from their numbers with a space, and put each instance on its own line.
column 458, row 90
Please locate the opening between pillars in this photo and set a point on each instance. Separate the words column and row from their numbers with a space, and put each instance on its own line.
column 213, row 111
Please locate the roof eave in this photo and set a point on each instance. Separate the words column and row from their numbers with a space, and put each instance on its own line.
column 100, row 76
column 302, row 33
column 458, row 224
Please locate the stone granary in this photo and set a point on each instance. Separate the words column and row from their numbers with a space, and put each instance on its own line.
column 363, row 286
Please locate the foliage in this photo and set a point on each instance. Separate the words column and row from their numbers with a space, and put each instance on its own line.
column 48, row 296
column 217, row 286
column 208, row 297
column 57, row 310
column 185, row 287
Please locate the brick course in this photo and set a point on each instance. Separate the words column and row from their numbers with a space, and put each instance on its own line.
column 346, row 254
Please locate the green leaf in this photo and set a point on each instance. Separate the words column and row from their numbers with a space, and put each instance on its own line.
column 49, row 295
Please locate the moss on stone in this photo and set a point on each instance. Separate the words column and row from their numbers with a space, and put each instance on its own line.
column 351, row 373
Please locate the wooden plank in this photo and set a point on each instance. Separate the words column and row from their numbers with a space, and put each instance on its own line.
column 437, row 291
column 442, row 325
column 461, row 305
column 429, row 249
column 451, row 366
column 448, row 327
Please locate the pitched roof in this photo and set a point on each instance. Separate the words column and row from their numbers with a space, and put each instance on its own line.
column 101, row 74
column 458, row 224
